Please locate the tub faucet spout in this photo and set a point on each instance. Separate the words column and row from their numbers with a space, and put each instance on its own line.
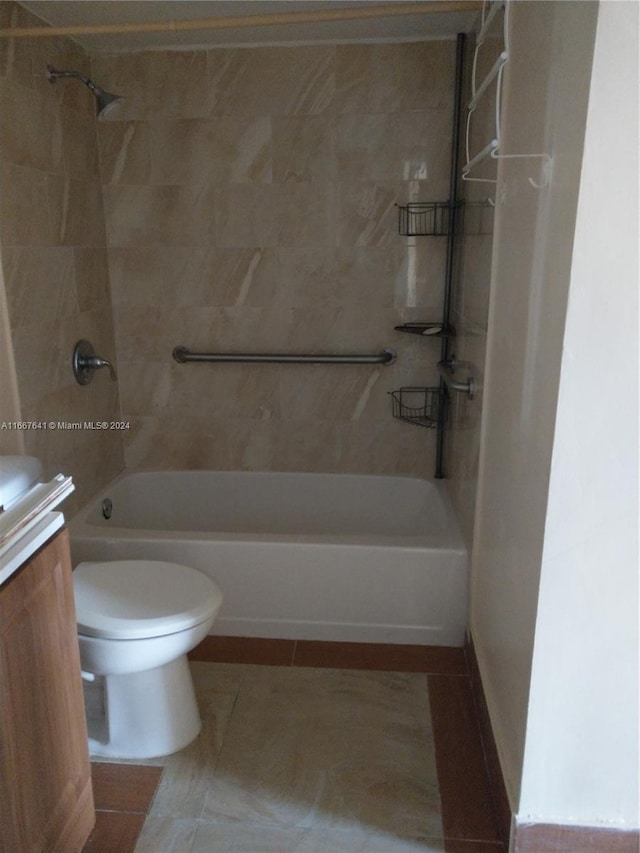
column 95, row 362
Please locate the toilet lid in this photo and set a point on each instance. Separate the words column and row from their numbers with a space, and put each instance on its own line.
column 134, row 599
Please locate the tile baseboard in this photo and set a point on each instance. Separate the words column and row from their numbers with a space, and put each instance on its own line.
column 501, row 805
column 467, row 808
column 551, row 838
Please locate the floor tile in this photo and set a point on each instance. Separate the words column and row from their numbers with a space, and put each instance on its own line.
column 114, row 832
column 310, row 760
column 467, row 808
column 236, row 837
column 380, row 656
column 458, row 846
column 320, row 748
column 377, row 656
column 167, row 835
column 188, row 773
column 244, row 650
column 124, row 787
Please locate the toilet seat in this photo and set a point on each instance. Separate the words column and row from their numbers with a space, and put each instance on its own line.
column 138, row 599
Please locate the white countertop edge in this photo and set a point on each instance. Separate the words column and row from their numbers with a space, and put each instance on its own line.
column 23, row 514
column 28, row 544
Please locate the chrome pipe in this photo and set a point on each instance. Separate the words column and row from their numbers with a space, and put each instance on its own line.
column 182, row 355
column 447, row 369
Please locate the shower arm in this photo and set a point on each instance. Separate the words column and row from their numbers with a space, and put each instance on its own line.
column 104, row 100
column 53, row 75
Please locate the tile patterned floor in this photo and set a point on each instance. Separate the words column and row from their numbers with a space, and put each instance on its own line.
column 301, row 757
column 123, row 795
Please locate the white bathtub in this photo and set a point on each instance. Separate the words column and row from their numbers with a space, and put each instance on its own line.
column 298, row 556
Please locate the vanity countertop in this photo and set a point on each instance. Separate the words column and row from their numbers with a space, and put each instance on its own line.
column 28, row 522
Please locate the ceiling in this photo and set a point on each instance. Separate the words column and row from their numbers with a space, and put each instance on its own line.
column 412, row 27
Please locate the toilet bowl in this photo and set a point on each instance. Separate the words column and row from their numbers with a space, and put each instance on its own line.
column 137, row 619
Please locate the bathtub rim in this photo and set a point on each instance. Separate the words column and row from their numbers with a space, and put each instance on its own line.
column 450, row 538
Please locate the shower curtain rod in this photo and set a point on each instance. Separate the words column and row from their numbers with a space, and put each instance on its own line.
column 380, row 10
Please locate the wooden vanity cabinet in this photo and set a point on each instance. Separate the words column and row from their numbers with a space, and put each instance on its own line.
column 46, row 799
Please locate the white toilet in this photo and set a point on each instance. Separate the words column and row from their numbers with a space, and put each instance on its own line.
column 137, row 619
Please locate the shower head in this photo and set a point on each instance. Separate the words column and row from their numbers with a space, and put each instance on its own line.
column 104, row 100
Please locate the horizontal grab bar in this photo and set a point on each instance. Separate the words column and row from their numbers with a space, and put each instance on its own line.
column 446, row 369
column 386, row 357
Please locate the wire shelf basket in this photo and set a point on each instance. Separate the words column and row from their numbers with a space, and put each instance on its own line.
column 427, row 330
column 418, row 406
column 426, row 218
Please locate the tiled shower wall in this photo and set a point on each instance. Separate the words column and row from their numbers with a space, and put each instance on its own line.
column 54, row 255
column 250, row 206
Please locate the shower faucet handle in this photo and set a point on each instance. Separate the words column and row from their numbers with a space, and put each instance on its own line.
column 85, row 362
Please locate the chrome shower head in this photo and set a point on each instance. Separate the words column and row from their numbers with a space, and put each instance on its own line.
column 104, row 100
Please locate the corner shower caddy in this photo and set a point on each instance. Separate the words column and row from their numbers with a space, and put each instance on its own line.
column 427, row 407
column 417, row 406
column 424, row 406
column 427, row 218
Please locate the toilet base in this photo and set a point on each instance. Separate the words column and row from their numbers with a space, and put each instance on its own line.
column 146, row 714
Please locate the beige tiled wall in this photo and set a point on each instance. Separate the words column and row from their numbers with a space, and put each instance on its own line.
column 54, row 254
column 250, row 206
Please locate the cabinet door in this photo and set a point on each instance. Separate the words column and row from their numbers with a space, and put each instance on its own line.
column 46, row 800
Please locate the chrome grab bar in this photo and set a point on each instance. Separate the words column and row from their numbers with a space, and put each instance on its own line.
column 386, row 357
column 446, row 369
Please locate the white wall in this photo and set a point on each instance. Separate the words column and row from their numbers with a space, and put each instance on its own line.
column 581, row 755
column 545, row 101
